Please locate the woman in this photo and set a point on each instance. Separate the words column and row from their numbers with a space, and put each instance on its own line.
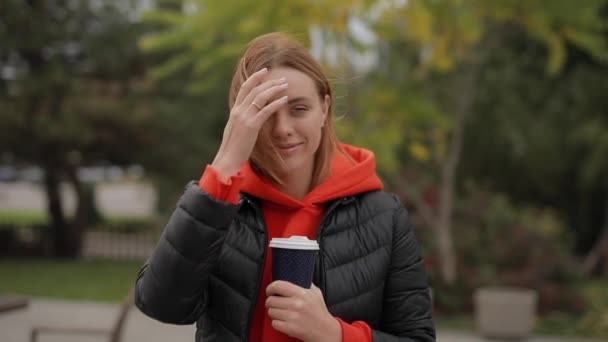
column 280, row 171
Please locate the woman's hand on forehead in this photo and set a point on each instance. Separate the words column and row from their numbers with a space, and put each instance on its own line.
column 255, row 102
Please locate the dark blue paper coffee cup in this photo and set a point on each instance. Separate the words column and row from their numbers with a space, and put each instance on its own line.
column 293, row 259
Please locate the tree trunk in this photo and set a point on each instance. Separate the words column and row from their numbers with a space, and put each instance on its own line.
column 443, row 227
column 81, row 217
column 66, row 242
column 464, row 90
column 53, row 194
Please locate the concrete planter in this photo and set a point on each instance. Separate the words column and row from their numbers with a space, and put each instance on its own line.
column 505, row 312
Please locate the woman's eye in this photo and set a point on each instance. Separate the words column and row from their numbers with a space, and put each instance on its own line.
column 300, row 109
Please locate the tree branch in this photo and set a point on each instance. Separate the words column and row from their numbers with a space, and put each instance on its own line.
column 595, row 255
column 425, row 210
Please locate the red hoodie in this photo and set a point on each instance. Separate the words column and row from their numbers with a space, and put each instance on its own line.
column 286, row 216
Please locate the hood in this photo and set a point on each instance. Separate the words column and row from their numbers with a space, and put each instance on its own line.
column 347, row 177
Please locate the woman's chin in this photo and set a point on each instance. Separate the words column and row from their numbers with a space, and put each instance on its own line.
column 293, row 166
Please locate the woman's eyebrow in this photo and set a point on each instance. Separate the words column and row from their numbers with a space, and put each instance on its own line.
column 298, row 99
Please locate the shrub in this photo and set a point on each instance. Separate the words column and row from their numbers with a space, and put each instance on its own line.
column 500, row 244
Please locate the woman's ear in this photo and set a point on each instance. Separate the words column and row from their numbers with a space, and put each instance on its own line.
column 326, row 107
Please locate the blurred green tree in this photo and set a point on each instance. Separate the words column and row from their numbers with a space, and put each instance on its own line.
column 433, row 55
column 550, row 135
column 423, row 94
column 205, row 38
column 68, row 71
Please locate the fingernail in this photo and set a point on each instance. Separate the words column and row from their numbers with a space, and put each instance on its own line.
column 282, row 79
column 284, row 98
column 264, row 70
column 284, row 85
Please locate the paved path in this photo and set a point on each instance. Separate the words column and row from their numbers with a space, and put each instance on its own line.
column 15, row 326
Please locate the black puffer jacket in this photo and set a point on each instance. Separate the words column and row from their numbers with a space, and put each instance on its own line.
column 208, row 264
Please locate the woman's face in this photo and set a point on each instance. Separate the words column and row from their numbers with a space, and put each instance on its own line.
column 295, row 130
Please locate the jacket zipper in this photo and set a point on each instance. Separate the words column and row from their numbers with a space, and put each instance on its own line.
column 322, row 226
column 260, row 220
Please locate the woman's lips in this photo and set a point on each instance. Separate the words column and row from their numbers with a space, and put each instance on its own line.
column 288, row 149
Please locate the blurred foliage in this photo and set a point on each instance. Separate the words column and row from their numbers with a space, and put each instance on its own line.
column 423, row 97
column 590, row 324
column 595, row 320
column 450, row 30
column 424, row 46
column 195, row 35
column 499, row 243
column 71, row 74
column 68, row 68
column 531, row 137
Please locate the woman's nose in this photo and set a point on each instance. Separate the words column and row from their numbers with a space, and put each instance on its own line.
column 281, row 125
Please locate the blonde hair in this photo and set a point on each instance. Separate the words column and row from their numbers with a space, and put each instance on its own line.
column 274, row 50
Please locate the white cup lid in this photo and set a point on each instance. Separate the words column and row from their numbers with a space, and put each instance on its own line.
column 294, row 242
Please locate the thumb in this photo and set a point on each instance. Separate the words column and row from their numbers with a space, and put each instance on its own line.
column 314, row 288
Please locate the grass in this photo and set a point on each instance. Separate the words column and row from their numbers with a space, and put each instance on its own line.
column 455, row 322
column 96, row 280
column 21, row 219
column 127, row 224
column 557, row 324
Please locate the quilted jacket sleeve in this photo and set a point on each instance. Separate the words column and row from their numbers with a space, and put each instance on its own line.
column 407, row 311
column 171, row 285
